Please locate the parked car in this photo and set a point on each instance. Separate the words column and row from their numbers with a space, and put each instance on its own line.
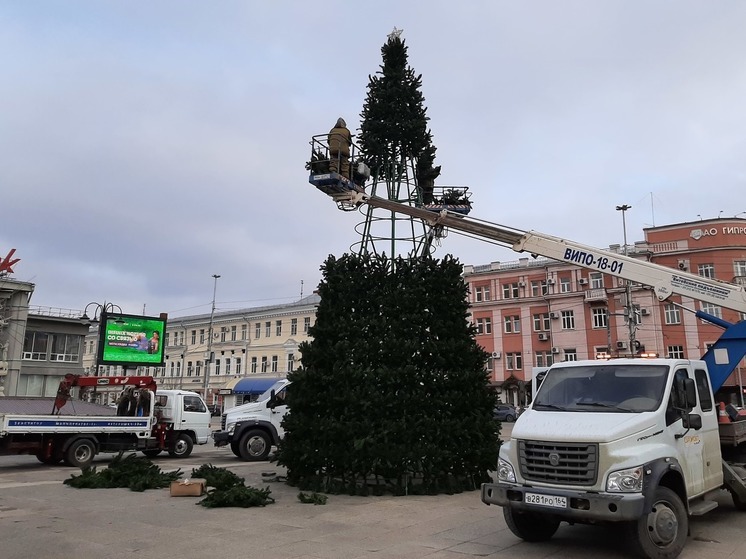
column 506, row 412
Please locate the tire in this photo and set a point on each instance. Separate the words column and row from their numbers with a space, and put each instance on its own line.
column 181, row 447
column 531, row 526
column 510, row 418
column 152, row 452
column 737, row 502
column 660, row 534
column 254, row 446
column 80, row 453
column 235, row 449
column 51, row 461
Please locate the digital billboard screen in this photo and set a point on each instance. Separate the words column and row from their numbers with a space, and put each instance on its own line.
column 131, row 340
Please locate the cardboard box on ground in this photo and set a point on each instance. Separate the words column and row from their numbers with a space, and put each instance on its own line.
column 188, row 487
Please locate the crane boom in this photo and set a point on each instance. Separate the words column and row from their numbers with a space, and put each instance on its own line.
column 663, row 280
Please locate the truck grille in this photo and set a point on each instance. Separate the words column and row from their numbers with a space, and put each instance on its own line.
column 222, row 422
column 564, row 463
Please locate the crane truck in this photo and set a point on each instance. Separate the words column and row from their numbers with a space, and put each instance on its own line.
column 631, row 442
column 146, row 420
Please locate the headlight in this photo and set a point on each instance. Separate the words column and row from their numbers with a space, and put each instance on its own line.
column 230, row 428
column 505, row 471
column 625, row 481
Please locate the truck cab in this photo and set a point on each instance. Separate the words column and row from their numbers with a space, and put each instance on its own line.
column 185, row 411
column 625, row 440
column 252, row 429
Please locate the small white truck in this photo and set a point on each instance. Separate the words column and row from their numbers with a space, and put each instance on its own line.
column 628, row 441
column 252, row 429
column 146, row 420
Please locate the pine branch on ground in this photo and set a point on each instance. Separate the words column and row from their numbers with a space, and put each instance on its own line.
column 312, row 498
column 237, row 496
column 133, row 472
column 219, row 478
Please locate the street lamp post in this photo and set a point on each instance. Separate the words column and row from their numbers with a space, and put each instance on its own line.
column 630, row 312
column 99, row 314
column 208, row 361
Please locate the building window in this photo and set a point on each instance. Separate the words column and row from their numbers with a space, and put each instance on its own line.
column 672, row 314
column 35, row 346
column 306, row 324
column 706, row 270
column 539, row 288
column 510, row 290
column 600, row 318
column 512, row 324
column 253, row 365
column 217, row 366
column 484, row 326
column 275, row 362
column 171, row 369
column 223, row 333
column 257, row 330
column 544, row 359
column 278, row 328
column 238, row 365
column 597, row 280
column 542, row 322
column 267, row 329
column 189, row 368
column 202, row 336
column 165, row 341
column 739, row 268
column 198, row 369
column 244, row 331
column 675, row 352
column 228, row 366
column 178, row 368
column 482, row 293
column 709, row 308
column 291, row 362
column 564, row 285
column 568, row 320
column 65, row 347
column 264, row 364
column 293, row 326
column 570, row 355
column 513, row 361
column 194, row 337
column 233, row 333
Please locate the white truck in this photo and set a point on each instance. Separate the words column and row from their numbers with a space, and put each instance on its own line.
column 628, row 441
column 252, row 429
column 146, row 420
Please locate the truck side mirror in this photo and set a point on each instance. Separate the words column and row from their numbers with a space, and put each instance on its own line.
column 271, row 403
column 684, row 392
column 691, row 393
column 692, row 421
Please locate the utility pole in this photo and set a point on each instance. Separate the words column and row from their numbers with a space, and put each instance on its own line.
column 628, row 305
column 208, row 360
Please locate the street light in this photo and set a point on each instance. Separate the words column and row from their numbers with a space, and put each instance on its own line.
column 99, row 313
column 208, row 361
column 630, row 310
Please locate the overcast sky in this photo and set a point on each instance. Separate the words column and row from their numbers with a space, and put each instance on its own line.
column 145, row 146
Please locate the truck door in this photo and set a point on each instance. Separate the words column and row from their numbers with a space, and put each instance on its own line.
column 713, row 470
column 278, row 410
column 195, row 417
column 690, row 446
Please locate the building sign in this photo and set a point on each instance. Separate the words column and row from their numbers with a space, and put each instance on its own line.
column 7, row 263
column 697, row 234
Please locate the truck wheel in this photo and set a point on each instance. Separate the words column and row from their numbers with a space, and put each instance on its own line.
column 530, row 526
column 51, row 461
column 152, row 452
column 235, row 449
column 661, row 534
column 80, row 453
column 181, row 447
column 254, row 446
column 737, row 502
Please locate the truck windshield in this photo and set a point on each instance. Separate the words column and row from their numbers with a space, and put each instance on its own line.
column 276, row 387
column 603, row 388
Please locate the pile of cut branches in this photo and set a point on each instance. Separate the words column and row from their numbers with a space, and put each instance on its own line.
column 229, row 490
column 138, row 474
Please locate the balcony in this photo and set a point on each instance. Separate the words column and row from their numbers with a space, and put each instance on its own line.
column 596, row 295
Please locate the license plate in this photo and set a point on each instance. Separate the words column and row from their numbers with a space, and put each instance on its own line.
column 554, row 501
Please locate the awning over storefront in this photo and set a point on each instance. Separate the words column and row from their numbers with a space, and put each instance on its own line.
column 253, row 385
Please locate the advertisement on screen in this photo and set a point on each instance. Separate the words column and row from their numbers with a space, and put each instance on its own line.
column 131, row 340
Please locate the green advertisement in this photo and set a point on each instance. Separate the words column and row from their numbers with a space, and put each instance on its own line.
column 131, row 340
